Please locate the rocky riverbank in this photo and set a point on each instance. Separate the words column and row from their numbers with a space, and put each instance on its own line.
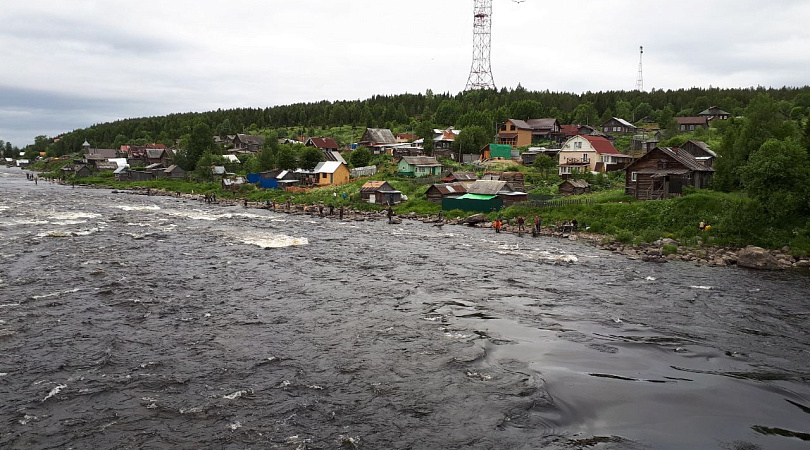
column 661, row 251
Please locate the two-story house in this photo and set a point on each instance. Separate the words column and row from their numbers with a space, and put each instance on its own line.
column 617, row 126
column 591, row 154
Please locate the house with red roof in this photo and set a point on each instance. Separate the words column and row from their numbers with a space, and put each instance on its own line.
column 323, row 143
column 591, row 154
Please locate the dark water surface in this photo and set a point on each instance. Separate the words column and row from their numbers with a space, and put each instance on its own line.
column 129, row 321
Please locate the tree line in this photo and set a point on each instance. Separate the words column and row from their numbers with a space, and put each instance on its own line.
column 420, row 113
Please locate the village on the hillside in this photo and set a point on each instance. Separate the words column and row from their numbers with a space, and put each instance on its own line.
column 650, row 171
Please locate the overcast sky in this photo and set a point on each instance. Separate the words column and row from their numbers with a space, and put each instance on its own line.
column 68, row 64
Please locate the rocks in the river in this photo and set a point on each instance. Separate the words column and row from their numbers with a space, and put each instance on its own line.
column 475, row 219
column 757, row 258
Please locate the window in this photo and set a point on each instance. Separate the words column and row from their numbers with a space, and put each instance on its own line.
column 577, row 144
column 633, row 176
column 323, row 175
column 503, row 127
column 606, row 129
column 585, row 157
column 691, row 127
column 512, row 128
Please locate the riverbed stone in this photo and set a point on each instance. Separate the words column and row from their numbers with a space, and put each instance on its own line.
column 757, row 258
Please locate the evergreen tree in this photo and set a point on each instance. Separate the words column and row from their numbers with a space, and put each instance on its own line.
column 200, row 142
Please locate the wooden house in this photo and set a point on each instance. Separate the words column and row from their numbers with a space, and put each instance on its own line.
column 459, row 177
column 590, row 154
column 443, row 139
column 174, row 171
column 331, row 173
column 515, row 179
column 545, row 129
column 377, row 140
column 515, row 133
column 663, row 173
column 437, row 192
column 701, row 151
column 529, row 156
column 419, row 166
column 714, row 113
column 380, row 192
column 574, row 187
column 617, row 126
column 692, row 123
column 247, row 143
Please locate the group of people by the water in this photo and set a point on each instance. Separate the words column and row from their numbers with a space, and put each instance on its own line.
column 567, row 226
column 210, row 198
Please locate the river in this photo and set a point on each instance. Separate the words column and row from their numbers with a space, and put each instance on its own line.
column 133, row 321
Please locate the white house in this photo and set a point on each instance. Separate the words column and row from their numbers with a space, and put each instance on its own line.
column 590, row 153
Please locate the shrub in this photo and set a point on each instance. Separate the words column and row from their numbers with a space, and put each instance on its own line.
column 669, row 249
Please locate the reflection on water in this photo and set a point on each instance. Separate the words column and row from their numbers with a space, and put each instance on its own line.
column 163, row 322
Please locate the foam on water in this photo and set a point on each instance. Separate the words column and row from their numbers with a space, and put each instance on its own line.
column 265, row 240
column 73, row 216
column 138, row 208
column 55, row 294
column 54, row 391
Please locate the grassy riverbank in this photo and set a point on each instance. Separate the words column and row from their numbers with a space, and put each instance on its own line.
column 735, row 219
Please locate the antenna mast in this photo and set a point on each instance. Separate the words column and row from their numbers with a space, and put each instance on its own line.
column 640, row 80
column 481, row 71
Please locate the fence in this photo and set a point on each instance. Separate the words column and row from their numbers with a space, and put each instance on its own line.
column 363, row 171
column 556, row 203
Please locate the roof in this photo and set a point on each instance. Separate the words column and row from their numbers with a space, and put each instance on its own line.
column 679, row 155
column 623, row 122
column 421, row 161
column 451, row 188
column 218, row 170
column 231, row 158
column 488, row 187
column 463, row 176
column 602, row 145
column 447, row 135
column 521, row 124
column 327, row 167
column 155, row 152
column 121, row 169
column 569, row 130
column 576, row 183
column 172, row 168
column 692, row 120
column 542, row 124
column 322, row 142
column 378, row 186
column 379, row 136
column 410, row 137
column 250, row 139
column 713, row 111
column 103, row 152
column 703, row 146
column 477, row 197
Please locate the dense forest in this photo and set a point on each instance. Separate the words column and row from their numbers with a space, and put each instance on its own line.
column 419, row 113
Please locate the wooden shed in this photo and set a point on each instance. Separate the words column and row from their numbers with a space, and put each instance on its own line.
column 663, row 172
column 574, row 187
column 380, row 192
column 437, row 192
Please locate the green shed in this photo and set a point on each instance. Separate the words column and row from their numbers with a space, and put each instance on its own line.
column 473, row 202
column 492, row 151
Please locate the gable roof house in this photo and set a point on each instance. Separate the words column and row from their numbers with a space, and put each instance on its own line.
column 247, row 143
column 692, row 123
column 377, row 140
column 174, row 171
column 714, row 113
column 157, row 156
column 663, row 172
column 443, row 142
column 618, row 126
column 590, row 153
column 701, row 151
column 380, row 192
column 437, row 192
column 573, row 187
column 545, row 129
column 331, row 173
column 419, row 166
column 454, row 177
column 323, row 143
column 514, row 132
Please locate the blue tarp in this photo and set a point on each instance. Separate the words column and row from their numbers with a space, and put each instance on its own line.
column 268, row 183
column 253, row 177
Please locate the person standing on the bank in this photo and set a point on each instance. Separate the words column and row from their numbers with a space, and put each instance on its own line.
column 702, row 225
column 521, row 221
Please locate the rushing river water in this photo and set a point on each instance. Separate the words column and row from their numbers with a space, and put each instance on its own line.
column 129, row 321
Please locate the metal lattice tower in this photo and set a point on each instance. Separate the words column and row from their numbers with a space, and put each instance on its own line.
column 640, row 80
column 481, row 71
